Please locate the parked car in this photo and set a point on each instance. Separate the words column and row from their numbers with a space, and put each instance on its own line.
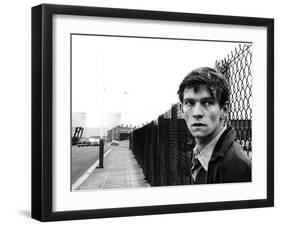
column 83, row 142
column 88, row 142
column 115, row 143
column 94, row 142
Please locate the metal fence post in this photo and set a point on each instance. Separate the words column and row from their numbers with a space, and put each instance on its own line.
column 101, row 151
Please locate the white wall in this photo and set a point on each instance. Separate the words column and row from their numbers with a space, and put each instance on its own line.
column 15, row 96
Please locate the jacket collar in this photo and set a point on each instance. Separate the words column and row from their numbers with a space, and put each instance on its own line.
column 205, row 154
column 223, row 143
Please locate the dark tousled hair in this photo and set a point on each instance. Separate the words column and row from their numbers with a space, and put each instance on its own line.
column 210, row 78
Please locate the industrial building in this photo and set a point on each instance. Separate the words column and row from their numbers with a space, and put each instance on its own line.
column 120, row 132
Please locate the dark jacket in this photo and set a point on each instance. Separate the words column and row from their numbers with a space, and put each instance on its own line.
column 228, row 163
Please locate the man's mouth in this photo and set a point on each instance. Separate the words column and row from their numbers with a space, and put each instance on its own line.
column 197, row 124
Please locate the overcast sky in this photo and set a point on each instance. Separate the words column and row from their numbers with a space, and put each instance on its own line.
column 135, row 76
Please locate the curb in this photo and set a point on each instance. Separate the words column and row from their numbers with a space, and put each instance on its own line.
column 84, row 177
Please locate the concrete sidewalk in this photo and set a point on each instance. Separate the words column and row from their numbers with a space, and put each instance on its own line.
column 120, row 171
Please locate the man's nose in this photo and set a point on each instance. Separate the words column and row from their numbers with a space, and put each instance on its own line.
column 197, row 111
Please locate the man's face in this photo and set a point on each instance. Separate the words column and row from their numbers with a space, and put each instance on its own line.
column 202, row 113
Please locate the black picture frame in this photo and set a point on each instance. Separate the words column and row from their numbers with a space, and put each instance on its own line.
column 42, row 107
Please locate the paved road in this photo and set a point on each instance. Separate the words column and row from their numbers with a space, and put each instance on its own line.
column 82, row 158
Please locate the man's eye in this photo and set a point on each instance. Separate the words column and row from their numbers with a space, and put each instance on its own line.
column 187, row 103
column 208, row 103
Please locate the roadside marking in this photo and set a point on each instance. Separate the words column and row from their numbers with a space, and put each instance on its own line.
column 84, row 177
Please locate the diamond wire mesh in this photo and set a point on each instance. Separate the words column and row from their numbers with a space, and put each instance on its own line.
column 237, row 68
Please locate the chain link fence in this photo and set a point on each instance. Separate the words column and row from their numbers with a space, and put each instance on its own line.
column 237, row 68
column 163, row 148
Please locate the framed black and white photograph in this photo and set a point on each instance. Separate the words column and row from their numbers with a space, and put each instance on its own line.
column 147, row 112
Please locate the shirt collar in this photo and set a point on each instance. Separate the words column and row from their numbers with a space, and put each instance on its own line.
column 205, row 154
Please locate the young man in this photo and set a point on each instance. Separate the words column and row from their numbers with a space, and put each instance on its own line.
column 217, row 158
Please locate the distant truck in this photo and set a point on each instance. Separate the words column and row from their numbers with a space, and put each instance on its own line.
column 115, row 143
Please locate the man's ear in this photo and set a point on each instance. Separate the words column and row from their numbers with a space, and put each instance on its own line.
column 226, row 107
column 181, row 110
column 225, row 110
column 181, row 107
